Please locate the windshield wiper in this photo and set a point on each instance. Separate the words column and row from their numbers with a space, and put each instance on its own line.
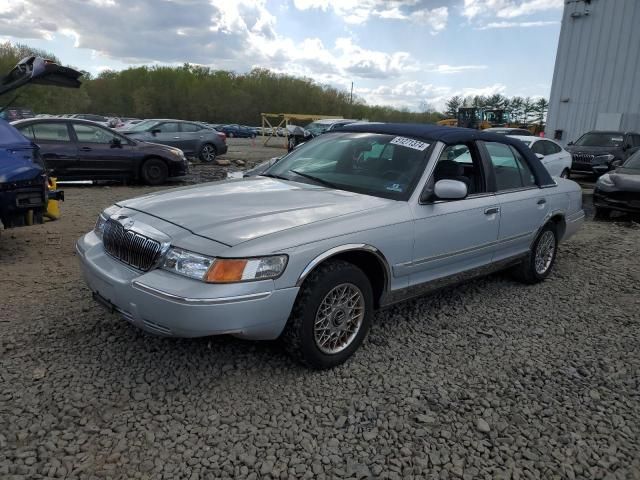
column 271, row 175
column 321, row 181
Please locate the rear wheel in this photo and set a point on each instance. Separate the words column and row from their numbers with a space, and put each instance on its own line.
column 539, row 262
column 331, row 316
column 208, row 153
column 230, row 134
column 154, row 171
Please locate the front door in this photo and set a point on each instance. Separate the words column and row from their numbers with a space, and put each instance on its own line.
column 452, row 237
column 522, row 203
column 102, row 152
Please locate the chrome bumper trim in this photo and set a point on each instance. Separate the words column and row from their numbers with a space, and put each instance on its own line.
column 198, row 301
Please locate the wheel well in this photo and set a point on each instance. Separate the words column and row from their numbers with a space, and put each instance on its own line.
column 560, row 224
column 372, row 267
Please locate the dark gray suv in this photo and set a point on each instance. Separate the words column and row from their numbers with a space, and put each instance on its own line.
column 598, row 152
column 193, row 138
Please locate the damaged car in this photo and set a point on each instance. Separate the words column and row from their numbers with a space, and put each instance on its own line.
column 24, row 185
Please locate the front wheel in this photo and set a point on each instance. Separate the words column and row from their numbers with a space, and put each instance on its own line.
column 565, row 173
column 154, row 171
column 539, row 262
column 230, row 134
column 331, row 316
column 207, row 153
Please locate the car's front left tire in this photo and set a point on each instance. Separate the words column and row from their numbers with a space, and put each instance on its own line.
column 154, row 171
column 331, row 316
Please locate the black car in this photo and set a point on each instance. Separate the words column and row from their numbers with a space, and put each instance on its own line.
column 598, row 152
column 619, row 190
column 74, row 149
column 193, row 138
column 235, row 130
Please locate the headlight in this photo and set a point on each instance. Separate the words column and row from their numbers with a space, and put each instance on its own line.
column 603, row 158
column 102, row 220
column 223, row 270
column 605, row 181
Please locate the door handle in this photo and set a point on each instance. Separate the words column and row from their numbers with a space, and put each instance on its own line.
column 85, row 149
column 176, row 138
column 492, row 211
column 542, row 201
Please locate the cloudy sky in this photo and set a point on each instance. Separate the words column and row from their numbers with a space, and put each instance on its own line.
column 397, row 52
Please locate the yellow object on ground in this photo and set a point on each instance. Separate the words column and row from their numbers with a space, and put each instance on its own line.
column 53, row 205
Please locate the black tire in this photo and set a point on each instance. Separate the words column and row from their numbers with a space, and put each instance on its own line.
column 208, row 153
column 527, row 272
column 601, row 213
column 566, row 173
column 253, row 135
column 154, row 171
column 299, row 333
column 230, row 134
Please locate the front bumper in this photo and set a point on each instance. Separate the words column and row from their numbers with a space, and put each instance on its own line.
column 166, row 304
column 602, row 200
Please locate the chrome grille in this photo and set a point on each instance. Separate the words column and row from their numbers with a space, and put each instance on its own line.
column 130, row 247
column 583, row 158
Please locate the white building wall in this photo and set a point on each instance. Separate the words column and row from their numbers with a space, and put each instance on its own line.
column 597, row 68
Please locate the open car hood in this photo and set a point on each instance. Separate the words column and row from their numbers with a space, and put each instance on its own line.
column 39, row 71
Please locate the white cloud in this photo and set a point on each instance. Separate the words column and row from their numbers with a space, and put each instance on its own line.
column 360, row 11
column 447, row 69
column 507, row 8
column 493, row 25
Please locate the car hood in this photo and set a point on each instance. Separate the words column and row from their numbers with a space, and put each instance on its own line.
column 236, row 211
column 627, row 179
column 593, row 150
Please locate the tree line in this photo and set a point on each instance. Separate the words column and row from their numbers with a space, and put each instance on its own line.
column 523, row 110
column 196, row 93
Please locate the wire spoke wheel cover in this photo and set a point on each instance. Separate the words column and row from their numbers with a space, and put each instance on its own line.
column 545, row 250
column 339, row 318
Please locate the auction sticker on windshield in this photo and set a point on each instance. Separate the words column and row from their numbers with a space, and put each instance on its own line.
column 410, row 143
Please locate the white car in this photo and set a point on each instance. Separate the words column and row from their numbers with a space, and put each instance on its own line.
column 556, row 159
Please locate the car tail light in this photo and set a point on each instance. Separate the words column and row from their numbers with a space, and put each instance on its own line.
column 223, row 135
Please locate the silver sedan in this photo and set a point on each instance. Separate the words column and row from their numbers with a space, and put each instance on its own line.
column 350, row 222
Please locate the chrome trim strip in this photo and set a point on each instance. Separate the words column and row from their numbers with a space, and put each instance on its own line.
column 350, row 247
column 422, row 261
column 198, row 301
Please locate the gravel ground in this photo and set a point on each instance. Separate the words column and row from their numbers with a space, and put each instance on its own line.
column 491, row 379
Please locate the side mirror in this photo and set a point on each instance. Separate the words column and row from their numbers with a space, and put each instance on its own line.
column 450, row 190
column 540, row 156
column 570, row 143
column 116, row 142
column 155, row 131
column 628, row 146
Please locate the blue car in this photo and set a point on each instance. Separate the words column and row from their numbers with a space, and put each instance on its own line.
column 24, row 188
column 235, row 130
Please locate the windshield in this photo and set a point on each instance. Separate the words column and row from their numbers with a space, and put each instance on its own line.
column 385, row 166
column 633, row 161
column 316, row 128
column 601, row 139
column 143, row 125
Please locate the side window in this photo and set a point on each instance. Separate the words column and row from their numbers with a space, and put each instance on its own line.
column 539, row 147
column 168, row 127
column 190, row 127
column 550, row 148
column 460, row 162
column 51, row 132
column 92, row 134
column 511, row 170
column 28, row 132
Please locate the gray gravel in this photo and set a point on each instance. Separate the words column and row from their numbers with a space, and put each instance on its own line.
column 492, row 379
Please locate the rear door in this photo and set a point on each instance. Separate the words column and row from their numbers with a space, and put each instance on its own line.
column 552, row 158
column 101, row 152
column 57, row 148
column 523, row 205
column 191, row 137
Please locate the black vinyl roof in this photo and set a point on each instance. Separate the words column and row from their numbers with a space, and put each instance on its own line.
column 452, row 135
